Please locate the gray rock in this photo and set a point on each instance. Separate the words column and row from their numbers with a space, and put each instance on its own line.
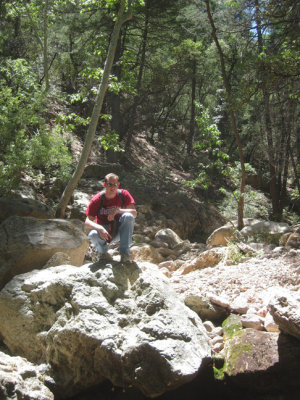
column 285, row 310
column 23, row 208
column 20, row 379
column 169, row 237
column 102, row 322
column 263, row 362
column 222, row 235
column 204, row 308
column 27, row 243
column 266, row 231
column 58, row 259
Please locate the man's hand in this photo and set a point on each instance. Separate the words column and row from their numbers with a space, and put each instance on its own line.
column 113, row 213
column 104, row 234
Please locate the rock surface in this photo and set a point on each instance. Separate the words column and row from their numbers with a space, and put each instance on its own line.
column 285, row 309
column 27, row 243
column 263, row 362
column 266, row 231
column 23, row 208
column 98, row 322
column 246, row 288
column 20, row 379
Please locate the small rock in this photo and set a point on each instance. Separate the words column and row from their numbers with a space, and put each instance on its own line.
column 269, row 324
column 169, row 265
column 209, row 326
column 252, row 321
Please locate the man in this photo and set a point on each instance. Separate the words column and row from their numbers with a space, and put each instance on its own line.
column 106, row 209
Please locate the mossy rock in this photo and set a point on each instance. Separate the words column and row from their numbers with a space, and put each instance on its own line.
column 231, row 326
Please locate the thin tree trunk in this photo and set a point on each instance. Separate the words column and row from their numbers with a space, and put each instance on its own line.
column 139, row 79
column 43, row 43
column 232, row 118
column 45, row 47
column 267, row 119
column 294, row 168
column 115, row 103
column 66, row 196
column 190, row 138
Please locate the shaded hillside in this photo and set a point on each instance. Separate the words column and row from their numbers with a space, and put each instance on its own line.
column 155, row 177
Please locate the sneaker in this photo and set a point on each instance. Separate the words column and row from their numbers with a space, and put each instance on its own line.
column 105, row 257
column 125, row 258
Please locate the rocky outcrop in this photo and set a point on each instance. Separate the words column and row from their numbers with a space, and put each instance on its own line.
column 169, row 237
column 222, row 236
column 98, row 322
column 285, row 309
column 265, row 231
column 23, row 208
column 262, row 362
column 146, row 252
column 20, row 379
column 27, row 243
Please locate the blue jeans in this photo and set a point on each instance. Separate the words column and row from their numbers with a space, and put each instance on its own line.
column 125, row 231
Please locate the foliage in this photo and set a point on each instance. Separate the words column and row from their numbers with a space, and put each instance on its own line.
column 166, row 57
column 110, row 141
column 209, row 148
column 25, row 142
column 257, row 204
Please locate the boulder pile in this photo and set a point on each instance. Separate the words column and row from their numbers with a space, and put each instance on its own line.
column 69, row 322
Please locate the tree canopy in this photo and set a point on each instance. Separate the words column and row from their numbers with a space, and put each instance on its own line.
column 220, row 79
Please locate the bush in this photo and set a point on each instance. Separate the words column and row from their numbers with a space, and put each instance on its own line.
column 26, row 144
column 257, row 205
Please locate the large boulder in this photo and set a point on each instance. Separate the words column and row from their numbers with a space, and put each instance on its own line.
column 23, row 208
column 222, row 236
column 98, row 322
column 207, row 259
column 285, row 309
column 169, row 237
column 265, row 231
column 20, row 379
column 204, row 307
column 263, row 363
column 27, row 243
column 146, row 252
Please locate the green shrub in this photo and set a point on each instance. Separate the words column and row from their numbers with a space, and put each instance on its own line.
column 26, row 144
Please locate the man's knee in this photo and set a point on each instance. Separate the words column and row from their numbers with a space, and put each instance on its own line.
column 127, row 218
column 93, row 234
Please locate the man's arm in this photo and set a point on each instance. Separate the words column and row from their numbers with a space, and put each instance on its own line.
column 91, row 224
column 130, row 208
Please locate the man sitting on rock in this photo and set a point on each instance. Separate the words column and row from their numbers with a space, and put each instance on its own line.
column 110, row 216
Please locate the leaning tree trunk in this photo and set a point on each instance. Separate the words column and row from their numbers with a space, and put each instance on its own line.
column 232, row 118
column 66, row 196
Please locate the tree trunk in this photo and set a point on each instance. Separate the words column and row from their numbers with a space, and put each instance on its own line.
column 297, row 180
column 43, row 43
column 267, row 119
column 45, row 47
column 139, row 79
column 121, row 18
column 232, row 118
column 190, row 138
column 115, row 103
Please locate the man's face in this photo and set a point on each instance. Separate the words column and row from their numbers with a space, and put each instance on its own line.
column 111, row 187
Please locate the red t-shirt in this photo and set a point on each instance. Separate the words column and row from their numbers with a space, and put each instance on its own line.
column 94, row 210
